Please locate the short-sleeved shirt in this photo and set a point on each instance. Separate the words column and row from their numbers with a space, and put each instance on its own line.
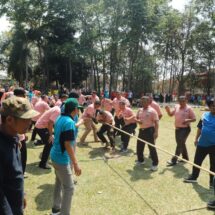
column 148, row 117
column 106, row 104
column 64, row 130
column 50, row 115
column 107, row 117
column 127, row 113
column 116, row 103
column 41, row 106
column 89, row 112
column 81, row 99
column 207, row 126
column 11, row 176
column 181, row 114
column 156, row 106
column 58, row 103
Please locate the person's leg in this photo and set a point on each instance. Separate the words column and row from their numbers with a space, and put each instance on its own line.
column 101, row 132
column 211, row 152
column 184, row 137
column 140, row 147
column 110, row 136
column 34, row 133
column 124, row 137
column 178, row 150
column 94, row 132
column 88, row 128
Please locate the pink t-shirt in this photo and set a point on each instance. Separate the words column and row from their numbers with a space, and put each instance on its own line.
column 116, row 103
column 35, row 100
column 107, row 117
column 51, row 114
column 181, row 114
column 127, row 113
column 81, row 99
column 148, row 117
column 41, row 106
column 58, row 103
column 106, row 104
column 156, row 106
column 89, row 112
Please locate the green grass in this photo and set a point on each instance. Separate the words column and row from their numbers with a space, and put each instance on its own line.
column 117, row 187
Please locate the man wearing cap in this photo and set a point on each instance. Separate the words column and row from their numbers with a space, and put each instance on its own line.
column 87, row 118
column 118, row 121
column 128, row 123
column 148, row 120
column 16, row 114
column 184, row 115
column 44, row 127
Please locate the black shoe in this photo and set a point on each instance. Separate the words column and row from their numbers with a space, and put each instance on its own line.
column 44, row 166
column 190, row 179
column 38, row 143
column 170, row 163
column 55, row 211
column 211, row 205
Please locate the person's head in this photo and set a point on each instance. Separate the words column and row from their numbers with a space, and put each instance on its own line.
column 97, row 104
column 45, row 98
column 73, row 95
column 150, row 97
column 63, row 97
column 118, row 95
column 182, row 100
column 20, row 92
column 122, row 104
column 145, row 101
column 94, row 93
column 71, row 107
column 16, row 114
column 211, row 105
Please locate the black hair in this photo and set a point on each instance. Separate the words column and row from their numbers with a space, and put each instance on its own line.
column 19, row 92
column 210, row 102
column 73, row 95
column 3, row 119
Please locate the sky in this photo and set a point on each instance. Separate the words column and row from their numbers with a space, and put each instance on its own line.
column 177, row 4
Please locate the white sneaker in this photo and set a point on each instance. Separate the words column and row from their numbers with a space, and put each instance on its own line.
column 154, row 168
column 138, row 163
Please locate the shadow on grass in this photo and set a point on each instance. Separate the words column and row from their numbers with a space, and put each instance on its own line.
column 83, row 145
column 30, row 145
column 97, row 152
column 44, row 198
column 179, row 171
column 33, row 169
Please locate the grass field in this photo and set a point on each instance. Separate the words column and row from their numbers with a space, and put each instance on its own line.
column 117, row 187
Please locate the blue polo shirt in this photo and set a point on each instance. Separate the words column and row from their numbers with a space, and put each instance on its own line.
column 207, row 126
column 64, row 130
column 11, row 176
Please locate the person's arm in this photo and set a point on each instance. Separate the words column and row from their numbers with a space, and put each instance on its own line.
column 169, row 112
column 50, row 128
column 72, row 156
column 198, row 133
column 156, row 129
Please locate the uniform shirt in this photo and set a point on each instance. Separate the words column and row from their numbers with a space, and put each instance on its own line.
column 41, row 106
column 58, row 103
column 11, row 176
column 127, row 113
column 148, row 117
column 81, row 99
column 64, row 130
column 51, row 114
column 181, row 114
column 116, row 103
column 34, row 100
column 207, row 126
column 157, row 108
column 106, row 104
column 89, row 112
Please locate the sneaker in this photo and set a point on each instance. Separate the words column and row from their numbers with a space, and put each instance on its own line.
column 211, row 204
column 55, row 211
column 139, row 163
column 44, row 166
column 170, row 163
column 124, row 150
column 154, row 168
column 190, row 179
column 25, row 175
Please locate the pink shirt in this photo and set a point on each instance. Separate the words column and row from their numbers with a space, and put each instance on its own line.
column 181, row 114
column 116, row 103
column 41, row 106
column 51, row 114
column 127, row 113
column 58, row 103
column 148, row 117
column 107, row 117
column 106, row 104
column 157, row 108
column 89, row 112
column 34, row 100
column 81, row 99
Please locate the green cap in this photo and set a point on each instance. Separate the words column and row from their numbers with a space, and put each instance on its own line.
column 70, row 105
column 18, row 107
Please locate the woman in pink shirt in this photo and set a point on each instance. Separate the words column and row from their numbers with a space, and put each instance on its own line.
column 184, row 115
column 129, row 123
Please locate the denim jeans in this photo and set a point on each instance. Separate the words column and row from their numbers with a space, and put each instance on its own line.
column 64, row 188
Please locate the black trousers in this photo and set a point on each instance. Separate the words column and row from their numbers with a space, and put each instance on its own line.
column 44, row 135
column 201, row 153
column 106, row 128
column 181, row 135
column 34, row 132
column 124, row 137
column 23, row 151
column 147, row 135
column 118, row 123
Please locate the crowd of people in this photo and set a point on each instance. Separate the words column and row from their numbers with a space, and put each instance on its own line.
column 56, row 119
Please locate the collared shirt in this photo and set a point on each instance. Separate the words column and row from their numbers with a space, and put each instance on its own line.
column 41, row 106
column 148, row 117
column 156, row 106
column 127, row 113
column 11, row 176
column 116, row 103
column 181, row 114
column 89, row 112
column 107, row 117
column 106, row 104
